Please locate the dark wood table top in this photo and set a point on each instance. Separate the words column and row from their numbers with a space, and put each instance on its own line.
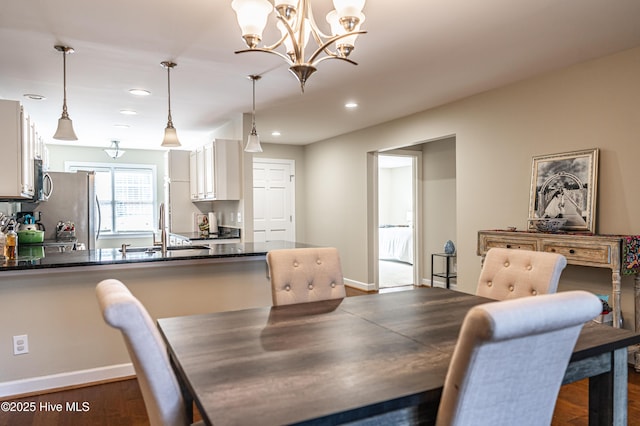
column 331, row 361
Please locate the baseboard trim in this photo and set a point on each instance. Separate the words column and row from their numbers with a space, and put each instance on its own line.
column 441, row 284
column 44, row 384
column 360, row 285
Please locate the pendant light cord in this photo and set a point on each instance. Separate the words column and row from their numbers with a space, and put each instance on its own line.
column 169, row 122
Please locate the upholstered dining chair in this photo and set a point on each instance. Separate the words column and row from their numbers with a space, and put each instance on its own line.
column 160, row 390
column 512, row 273
column 510, row 359
column 305, row 275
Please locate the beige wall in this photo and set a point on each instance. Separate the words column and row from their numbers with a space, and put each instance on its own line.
column 593, row 104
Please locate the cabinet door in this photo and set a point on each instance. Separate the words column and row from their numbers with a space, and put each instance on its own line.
column 193, row 175
column 209, row 153
column 200, row 172
column 28, row 143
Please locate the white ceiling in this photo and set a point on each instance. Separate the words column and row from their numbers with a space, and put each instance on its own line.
column 418, row 54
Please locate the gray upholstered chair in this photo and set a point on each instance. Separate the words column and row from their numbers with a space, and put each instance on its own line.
column 511, row 273
column 510, row 359
column 305, row 275
column 159, row 386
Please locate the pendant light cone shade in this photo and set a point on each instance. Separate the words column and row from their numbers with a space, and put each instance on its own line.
column 65, row 126
column 170, row 135
column 253, row 141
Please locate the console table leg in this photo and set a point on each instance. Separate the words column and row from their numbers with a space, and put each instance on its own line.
column 636, row 295
column 617, row 309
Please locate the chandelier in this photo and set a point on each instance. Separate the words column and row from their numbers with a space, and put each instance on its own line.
column 296, row 24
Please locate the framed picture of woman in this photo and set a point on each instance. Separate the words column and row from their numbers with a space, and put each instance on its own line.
column 564, row 186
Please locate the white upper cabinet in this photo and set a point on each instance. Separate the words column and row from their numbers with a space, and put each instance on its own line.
column 18, row 144
column 215, row 171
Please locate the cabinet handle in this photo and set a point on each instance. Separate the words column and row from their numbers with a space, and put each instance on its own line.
column 553, row 250
column 508, row 245
column 572, row 251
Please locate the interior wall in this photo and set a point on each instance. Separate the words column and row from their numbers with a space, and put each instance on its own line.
column 439, row 200
column 592, row 104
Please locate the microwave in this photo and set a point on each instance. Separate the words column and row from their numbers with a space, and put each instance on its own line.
column 43, row 186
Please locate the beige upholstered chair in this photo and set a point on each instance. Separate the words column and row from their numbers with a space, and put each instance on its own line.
column 305, row 275
column 158, row 383
column 511, row 273
column 510, row 359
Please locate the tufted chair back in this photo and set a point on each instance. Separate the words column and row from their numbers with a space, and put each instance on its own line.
column 305, row 275
column 511, row 357
column 511, row 273
column 158, row 384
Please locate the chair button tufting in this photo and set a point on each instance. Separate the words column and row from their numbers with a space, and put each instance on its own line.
column 511, row 288
column 333, row 285
column 319, row 262
column 534, row 292
column 295, row 264
column 310, row 286
column 529, row 267
column 287, row 287
column 506, row 264
column 489, row 283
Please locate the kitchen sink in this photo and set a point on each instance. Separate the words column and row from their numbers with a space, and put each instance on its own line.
column 154, row 249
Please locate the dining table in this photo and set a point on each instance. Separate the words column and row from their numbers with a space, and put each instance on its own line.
column 355, row 360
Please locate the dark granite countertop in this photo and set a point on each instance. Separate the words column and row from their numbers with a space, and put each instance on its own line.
column 114, row 256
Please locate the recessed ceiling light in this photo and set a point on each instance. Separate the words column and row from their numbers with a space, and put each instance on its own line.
column 121, row 126
column 275, row 133
column 139, row 92
column 351, row 105
column 128, row 112
column 34, row 96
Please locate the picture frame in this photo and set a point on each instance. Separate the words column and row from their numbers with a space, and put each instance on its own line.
column 201, row 223
column 565, row 186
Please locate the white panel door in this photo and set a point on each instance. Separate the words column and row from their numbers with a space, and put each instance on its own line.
column 273, row 200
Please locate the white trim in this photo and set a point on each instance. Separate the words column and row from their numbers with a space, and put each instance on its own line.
column 61, row 380
column 360, row 285
column 442, row 284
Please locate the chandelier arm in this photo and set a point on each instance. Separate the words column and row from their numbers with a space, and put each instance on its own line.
column 325, row 46
column 324, row 58
column 315, row 28
column 260, row 49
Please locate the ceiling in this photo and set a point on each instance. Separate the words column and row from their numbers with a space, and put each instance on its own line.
column 417, row 54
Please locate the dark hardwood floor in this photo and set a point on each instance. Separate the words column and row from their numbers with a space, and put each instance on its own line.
column 120, row 403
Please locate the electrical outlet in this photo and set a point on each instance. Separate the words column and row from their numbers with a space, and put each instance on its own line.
column 20, row 344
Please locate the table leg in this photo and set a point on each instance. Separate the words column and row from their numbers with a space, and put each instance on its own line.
column 608, row 393
column 186, row 395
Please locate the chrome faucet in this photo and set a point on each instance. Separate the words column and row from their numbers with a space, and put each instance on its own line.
column 163, row 231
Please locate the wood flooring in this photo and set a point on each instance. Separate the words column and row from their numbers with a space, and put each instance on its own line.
column 120, row 403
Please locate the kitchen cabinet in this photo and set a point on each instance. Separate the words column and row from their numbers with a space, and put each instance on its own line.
column 215, row 171
column 19, row 140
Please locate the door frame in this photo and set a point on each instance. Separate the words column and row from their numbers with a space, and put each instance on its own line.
column 418, row 264
column 292, row 189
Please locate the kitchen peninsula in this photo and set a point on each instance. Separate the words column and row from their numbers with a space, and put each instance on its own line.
column 52, row 301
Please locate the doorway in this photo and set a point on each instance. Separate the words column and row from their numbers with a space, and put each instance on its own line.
column 398, row 254
column 273, row 200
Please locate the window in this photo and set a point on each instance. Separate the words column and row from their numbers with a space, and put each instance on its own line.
column 126, row 195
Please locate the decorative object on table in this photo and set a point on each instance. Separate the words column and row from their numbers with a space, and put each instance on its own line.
column 548, row 225
column 563, row 186
column 449, row 247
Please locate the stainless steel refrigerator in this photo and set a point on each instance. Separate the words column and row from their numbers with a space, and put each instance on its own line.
column 72, row 199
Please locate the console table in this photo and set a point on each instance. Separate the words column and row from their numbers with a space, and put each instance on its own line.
column 619, row 253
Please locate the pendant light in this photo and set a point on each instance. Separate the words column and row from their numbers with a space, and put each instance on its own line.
column 170, row 135
column 65, row 126
column 114, row 152
column 253, row 141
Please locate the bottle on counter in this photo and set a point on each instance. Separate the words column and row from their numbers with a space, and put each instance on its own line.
column 3, row 240
column 11, row 244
